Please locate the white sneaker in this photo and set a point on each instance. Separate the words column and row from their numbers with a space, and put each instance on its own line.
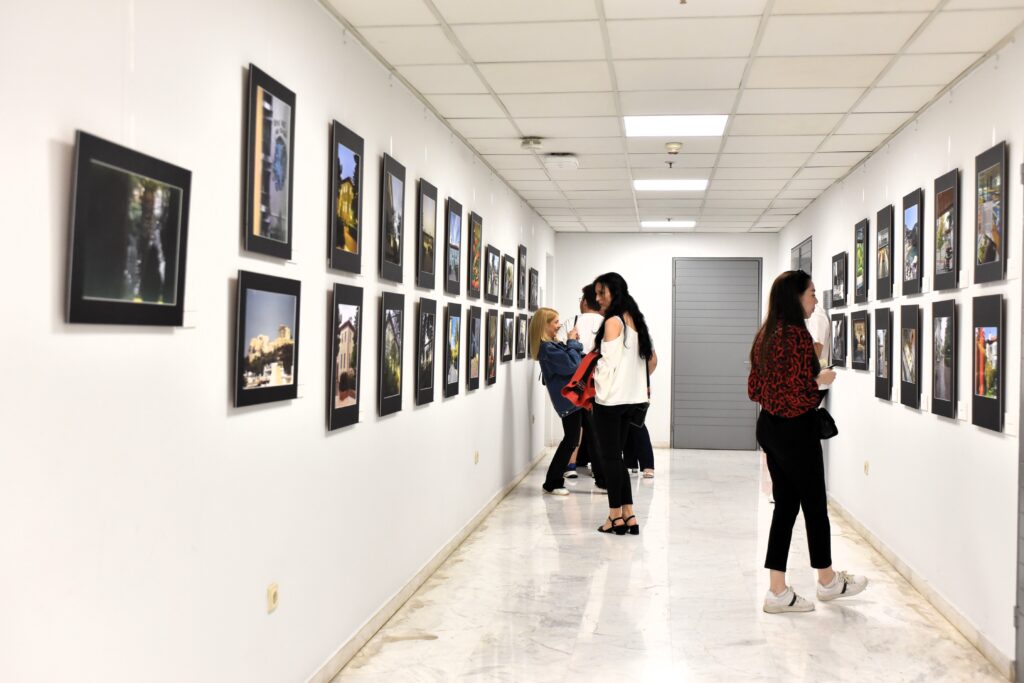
column 557, row 492
column 787, row 602
column 843, row 586
column 569, row 474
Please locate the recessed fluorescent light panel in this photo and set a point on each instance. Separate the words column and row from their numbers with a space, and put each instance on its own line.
column 661, row 225
column 671, row 185
column 675, row 126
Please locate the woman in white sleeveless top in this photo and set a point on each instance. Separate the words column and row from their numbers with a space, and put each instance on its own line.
column 621, row 383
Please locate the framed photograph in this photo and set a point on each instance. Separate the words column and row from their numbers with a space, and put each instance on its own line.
column 990, row 216
column 474, row 343
column 987, row 368
column 492, row 277
column 913, row 212
column 508, row 279
column 346, row 342
column 389, row 365
column 944, row 355
column 883, row 354
column 839, row 280
column 346, row 200
column 475, row 265
column 522, row 337
column 910, row 356
column 492, row 347
column 270, row 158
column 392, row 219
column 860, row 262
column 266, row 339
column 508, row 320
column 521, row 278
column 426, row 334
column 860, row 340
column 453, row 336
column 129, row 233
column 839, row 340
column 426, row 232
column 947, row 231
column 534, row 289
column 883, row 252
column 453, row 249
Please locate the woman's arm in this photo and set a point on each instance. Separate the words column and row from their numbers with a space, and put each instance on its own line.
column 559, row 361
column 652, row 364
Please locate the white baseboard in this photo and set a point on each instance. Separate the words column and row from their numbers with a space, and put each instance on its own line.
column 1004, row 664
column 337, row 661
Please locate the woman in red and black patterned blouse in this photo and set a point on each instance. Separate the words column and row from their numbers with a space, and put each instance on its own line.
column 784, row 379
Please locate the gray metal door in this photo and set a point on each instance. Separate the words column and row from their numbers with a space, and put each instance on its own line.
column 716, row 310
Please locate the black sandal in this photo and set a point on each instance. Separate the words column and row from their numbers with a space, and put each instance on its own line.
column 619, row 530
column 635, row 529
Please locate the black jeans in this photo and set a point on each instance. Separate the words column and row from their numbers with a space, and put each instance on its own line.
column 612, row 426
column 638, row 453
column 798, row 481
column 560, row 461
column 587, row 447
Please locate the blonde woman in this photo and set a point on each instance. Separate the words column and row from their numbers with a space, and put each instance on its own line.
column 558, row 363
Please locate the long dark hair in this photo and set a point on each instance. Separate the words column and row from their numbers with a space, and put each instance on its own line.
column 621, row 304
column 783, row 307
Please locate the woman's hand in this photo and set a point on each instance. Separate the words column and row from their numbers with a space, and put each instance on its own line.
column 574, row 334
column 826, row 377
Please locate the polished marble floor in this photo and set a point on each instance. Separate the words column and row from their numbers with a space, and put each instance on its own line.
column 536, row 594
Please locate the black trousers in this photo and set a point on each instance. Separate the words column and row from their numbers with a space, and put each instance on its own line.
column 583, row 456
column 612, row 426
column 798, row 481
column 639, row 453
column 560, row 461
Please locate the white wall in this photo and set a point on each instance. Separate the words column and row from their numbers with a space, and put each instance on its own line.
column 942, row 494
column 645, row 261
column 141, row 515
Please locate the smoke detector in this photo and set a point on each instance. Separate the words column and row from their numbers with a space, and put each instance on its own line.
column 561, row 161
column 532, row 144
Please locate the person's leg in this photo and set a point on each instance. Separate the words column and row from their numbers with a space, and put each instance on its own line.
column 609, row 440
column 583, row 456
column 645, row 451
column 629, row 450
column 570, row 438
column 589, row 442
column 771, row 436
column 813, row 497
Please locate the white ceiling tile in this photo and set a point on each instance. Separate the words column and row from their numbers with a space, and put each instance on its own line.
column 822, row 173
column 816, row 72
column 966, row 31
column 510, row 161
column 738, row 203
column 847, row 34
column 706, row 145
column 762, row 160
column 609, row 194
column 798, row 100
column 982, row 4
column 466, row 106
column 553, row 211
column 561, row 104
column 477, row 12
column 624, row 227
column 549, row 203
column 497, row 146
column 774, row 222
column 602, row 161
column 928, row 69
column 601, row 203
column 547, row 77
column 907, row 98
column 852, row 143
column 569, row 185
column 540, row 194
column 391, row 13
column 649, row 205
column 754, row 173
column 524, row 174
column 836, row 158
column 679, row 74
column 732, row 228
column 799, row 194
column 571, row 127
column 533, row 42
column 531, row 185
column 583, row 145
column 604, row 214
column 791, row 203
column 484, row 128
column 728, row 184
column 649, row 165
column 783, row 124
column 741, row 194
column 677, row 102
column 810, row 184
column 766, row 230
column 851, row 6
column 591, row 174
column 578, row 227
column 443, row 78
column 860, row 124
column 782, row 212
column 673, row 9
column 731, row 212
column 756, row 144
column 672, row 38
column 412, row 45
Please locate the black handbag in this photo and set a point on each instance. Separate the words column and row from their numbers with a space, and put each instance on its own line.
column 638, row 415
column 826, row 424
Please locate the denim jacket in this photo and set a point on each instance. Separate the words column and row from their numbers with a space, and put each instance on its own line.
column 558, row 363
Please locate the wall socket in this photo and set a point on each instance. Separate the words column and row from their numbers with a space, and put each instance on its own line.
column 867, row 468
column 476, row 457
column 272, row 598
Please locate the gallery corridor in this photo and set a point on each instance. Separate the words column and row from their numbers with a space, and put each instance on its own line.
column 535, row 594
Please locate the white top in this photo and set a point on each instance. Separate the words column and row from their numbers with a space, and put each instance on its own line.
column 620, row 377
column 821, row 332
column 587, row 324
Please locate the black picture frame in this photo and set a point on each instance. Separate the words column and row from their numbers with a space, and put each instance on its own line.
column 944, row 358
column 910, row 356
column 269, row 166
column 345, row 348
column 860, row 340
column 987, row 366
column 389, row 356
column 913, row 243
column 508, row 279
column 946, row 243
column 474, row 348
column 884, row 252
column 345, row 200
column 426, row 350
column 426, row 235
column 839, row 280
column 453, row 247
column 521, row 278
column 266, row 339
column 392, row 219
column 491, row 370
column 534, row 290
column 991, row 192
column 522, row 335
column 839, row 339
column 119, row 198
column 882, row 341
column 861, row 261
column 492, row 274
column 508, row 322
column 475, row 264
column 452, row 349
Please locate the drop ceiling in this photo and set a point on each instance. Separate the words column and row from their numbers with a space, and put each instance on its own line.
column 811, row 88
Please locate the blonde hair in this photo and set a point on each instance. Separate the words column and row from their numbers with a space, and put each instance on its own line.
column 538, row 327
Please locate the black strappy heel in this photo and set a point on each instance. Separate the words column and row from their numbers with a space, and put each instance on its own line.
column 619, row 530
column 635, row 529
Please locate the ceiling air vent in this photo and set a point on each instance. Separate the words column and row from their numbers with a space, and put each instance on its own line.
column 561, row 161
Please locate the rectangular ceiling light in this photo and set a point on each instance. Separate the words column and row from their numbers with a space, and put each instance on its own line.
column 671, row 185
column 675, row 126
column 669, row 224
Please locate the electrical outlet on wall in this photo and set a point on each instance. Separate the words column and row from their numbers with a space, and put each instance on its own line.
column 272, row 597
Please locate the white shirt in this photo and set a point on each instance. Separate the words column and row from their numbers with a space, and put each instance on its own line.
column 821, row 332
column 587, row 324
column 620, row 377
